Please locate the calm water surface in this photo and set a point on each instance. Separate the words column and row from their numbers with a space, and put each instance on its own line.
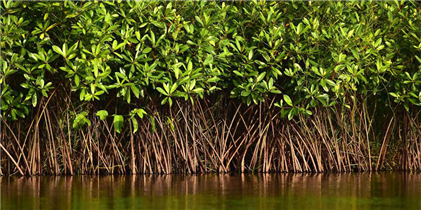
column 241, row 191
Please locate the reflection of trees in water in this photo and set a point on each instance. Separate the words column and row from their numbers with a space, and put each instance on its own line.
column 264, row 191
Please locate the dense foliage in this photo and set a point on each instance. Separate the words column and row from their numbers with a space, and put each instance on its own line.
column 313, row 54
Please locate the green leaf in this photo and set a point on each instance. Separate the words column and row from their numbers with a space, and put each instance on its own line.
column 80, row 120
column 290, row 114
column 288, row 100
column 58, row 50
column 213, row 79
column 118, row 123
column 341, row 58
column 135, row 125
column 198, row 90
column 394, row 95
column 190, row 66
column 34, row 100
column 102, row 114
column 170, row 101
column 261, row 76
column 161, row 91
column 174, row 87
column 135, row 91
column 209, row 60
column 140, row 113
column 147, row 50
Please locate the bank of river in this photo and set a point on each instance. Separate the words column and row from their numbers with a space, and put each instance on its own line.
column 392, row 190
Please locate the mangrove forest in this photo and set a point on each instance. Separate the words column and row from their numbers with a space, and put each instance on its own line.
column 191, row 87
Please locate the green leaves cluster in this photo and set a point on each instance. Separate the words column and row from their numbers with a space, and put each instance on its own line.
column 307, row 54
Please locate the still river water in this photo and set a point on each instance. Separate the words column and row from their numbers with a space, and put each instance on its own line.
column 241, row 191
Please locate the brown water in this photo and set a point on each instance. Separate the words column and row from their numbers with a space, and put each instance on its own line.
column 231, row 192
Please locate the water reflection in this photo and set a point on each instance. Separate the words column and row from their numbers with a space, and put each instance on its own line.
column 241, row 191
